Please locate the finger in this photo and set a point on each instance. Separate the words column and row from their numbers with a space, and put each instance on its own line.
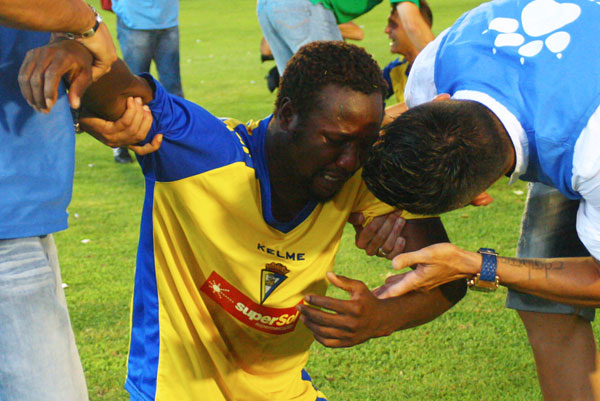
column 145, row 126
column 79, row 83
column 332, row 304
column 382, row 243
column 405, row 285
column 314, row 317
column 37, row 86
column 406, row 259
column 345, row 283
column 24, row 75
column 378, row 291
column 356, row 219
column 149, row 147
column 368, row 232
column 393, row 242
column 388, row 282
column 332, row 342
column 136, row 120
column 130, row 111
column 399, row 245
column 95, row 125
column 52, row 78
column 329, row 336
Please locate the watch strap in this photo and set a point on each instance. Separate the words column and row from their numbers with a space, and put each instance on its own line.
column 486, row 279
column 489, row 264
column 90, row 32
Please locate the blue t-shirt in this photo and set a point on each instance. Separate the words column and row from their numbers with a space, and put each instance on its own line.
column 541, row 69
column 147, row 14
column 37, row 151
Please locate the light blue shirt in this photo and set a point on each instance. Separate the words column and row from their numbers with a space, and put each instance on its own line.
column 37, row 151
column 533, row 63
column 147, row 14
column 532, row 66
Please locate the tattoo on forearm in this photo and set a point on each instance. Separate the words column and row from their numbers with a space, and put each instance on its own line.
column 534, row 264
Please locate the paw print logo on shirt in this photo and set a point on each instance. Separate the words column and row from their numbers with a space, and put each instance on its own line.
column 542, row 22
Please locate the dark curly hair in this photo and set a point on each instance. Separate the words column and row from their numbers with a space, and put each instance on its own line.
column 322, row 63
column 437, row 157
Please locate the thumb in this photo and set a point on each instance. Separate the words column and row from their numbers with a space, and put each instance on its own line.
column 344, row 283
column 406, row 259
column 398, row 288
column 78, row 86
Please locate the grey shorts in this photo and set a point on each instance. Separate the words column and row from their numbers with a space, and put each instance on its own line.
column 548, row 231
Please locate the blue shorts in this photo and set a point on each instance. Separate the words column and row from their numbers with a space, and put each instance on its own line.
column 548, row 231
column 290, row 24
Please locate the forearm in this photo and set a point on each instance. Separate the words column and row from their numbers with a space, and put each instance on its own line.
column 47, row 15
column 420, row 233
column 107, row 97
column 350, row 30
column 414, row 309
column 574, row 281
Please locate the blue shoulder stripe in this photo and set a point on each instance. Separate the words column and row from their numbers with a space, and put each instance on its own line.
column 194, row 140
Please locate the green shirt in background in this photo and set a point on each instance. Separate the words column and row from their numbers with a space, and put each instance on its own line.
column 347, row 10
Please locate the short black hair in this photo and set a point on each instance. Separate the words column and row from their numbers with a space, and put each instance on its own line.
column 437, row 157
column 426, row 12
column 322, row 63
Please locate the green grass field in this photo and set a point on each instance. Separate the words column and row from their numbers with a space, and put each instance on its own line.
column 476, row 351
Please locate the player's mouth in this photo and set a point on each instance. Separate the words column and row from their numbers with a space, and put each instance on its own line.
column 335, row 178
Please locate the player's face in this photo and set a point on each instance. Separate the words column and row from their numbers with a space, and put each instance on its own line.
column 395, row 31
column 330, row 145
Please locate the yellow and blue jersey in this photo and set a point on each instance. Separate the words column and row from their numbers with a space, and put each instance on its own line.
column 396, row 75
column 217, row 277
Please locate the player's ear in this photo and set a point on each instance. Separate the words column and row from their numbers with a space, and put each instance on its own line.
column 441, row 96
column 286, row 113
column 483, row 199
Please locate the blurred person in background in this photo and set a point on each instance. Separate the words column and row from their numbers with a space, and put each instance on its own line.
column 289, row 24
column 149, row 31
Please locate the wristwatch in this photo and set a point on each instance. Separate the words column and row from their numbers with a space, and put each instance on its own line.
column 90, row 32
column 486, row 280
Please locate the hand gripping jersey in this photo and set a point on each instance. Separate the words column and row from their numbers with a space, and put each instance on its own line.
column 217, row 278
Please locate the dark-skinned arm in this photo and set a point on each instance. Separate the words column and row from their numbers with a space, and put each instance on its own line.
column 345, row 323
column 107, row 97
column 73, row 16
column 117, row 96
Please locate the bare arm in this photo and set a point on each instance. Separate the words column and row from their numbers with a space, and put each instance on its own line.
column 117, row 96
column 363, row 316
column 47, row 15
column 107, row 98
column 350, row 30
column 416, row 28
column 574, row 281
column 44, row 67
column 73, row 16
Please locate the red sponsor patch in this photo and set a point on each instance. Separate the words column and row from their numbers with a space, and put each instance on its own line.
column 238, row 305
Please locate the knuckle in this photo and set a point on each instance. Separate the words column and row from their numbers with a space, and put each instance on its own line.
column 36, row 81
column 380, row 236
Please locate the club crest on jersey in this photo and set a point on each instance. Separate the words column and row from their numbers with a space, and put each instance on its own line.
column 271, row 276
